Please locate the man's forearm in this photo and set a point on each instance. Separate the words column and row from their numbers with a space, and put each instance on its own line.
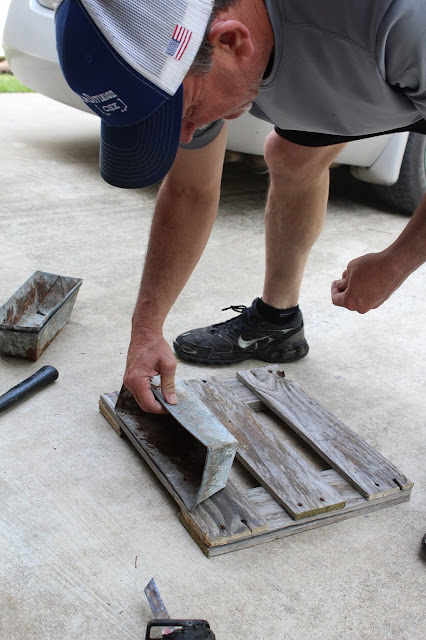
column 180, row 229
column 408, row 252
column 184, row 215
column 369, row 280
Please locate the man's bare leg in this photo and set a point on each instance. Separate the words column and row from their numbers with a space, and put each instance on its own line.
column 294, row 217
column 295, row 214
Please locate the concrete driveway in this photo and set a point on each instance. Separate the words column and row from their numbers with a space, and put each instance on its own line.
column 84, row 523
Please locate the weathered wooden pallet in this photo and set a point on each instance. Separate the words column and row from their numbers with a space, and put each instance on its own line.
column 311, row 468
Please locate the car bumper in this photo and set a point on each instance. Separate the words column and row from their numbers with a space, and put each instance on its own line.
column 30, row 48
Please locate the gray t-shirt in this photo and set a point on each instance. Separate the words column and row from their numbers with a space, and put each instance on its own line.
column 342, row 67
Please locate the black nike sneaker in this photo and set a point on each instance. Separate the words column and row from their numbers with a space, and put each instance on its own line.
column 245, row 336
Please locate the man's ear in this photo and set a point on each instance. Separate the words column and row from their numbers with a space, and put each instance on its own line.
column 231, row 37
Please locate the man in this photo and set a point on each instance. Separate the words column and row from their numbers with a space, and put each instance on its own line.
column 323, row 73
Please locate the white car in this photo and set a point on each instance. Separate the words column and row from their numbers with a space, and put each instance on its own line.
column 395, row 163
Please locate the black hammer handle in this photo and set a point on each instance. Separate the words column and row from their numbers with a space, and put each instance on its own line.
column 39, row 379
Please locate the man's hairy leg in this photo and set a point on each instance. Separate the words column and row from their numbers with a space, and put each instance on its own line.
column 294, row 215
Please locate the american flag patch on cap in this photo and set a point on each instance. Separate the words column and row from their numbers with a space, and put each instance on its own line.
column 179, row 42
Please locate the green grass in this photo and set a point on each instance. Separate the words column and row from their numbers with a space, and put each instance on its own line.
column 9, row 84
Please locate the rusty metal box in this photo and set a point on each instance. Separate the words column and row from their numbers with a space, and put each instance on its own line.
column 35, row 314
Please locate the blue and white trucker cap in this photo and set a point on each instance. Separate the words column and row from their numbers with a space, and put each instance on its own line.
column 127, row 59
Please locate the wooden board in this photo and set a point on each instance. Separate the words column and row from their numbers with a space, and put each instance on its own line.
column 289, row 498
column 280, row 524
column 276, row 465
column 363, row 467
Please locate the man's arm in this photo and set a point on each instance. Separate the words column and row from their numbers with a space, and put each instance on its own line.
column 183, row 218
column 369, row 280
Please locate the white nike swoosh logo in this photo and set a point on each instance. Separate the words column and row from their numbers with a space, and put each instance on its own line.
column 247, row 343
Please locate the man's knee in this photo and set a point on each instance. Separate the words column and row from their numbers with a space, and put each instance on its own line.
column 293, row 161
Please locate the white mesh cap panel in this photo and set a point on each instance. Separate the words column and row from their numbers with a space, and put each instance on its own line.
column 142, row 31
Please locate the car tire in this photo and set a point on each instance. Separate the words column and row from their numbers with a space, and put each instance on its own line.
column 405, row 195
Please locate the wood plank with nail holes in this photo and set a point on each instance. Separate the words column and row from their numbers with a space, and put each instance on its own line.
column 362, row 466
column 275, row 464
column 281, row 524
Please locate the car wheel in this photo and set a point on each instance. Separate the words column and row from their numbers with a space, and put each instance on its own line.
column 408, row 190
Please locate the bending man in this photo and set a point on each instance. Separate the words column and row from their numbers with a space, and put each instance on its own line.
column 175, row 70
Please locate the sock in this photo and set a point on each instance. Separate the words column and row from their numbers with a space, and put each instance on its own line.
column 276, row 316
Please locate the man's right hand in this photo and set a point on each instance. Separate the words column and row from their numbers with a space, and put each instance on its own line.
column 150, row 355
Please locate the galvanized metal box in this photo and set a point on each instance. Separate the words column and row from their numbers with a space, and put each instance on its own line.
column 189, row 449
column 35, row 314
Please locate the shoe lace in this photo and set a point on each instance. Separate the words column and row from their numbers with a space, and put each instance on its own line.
column 238, row 308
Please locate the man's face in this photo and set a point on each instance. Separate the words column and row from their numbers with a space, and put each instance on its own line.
column 214, row 96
